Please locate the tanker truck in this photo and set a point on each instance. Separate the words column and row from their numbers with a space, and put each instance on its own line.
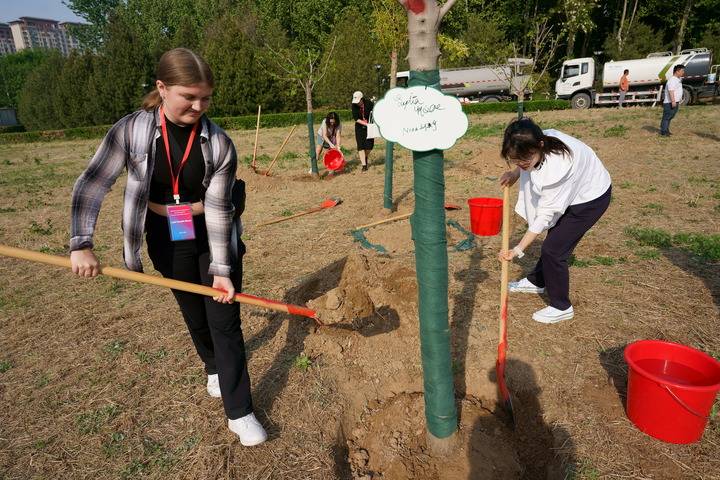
column 478, row 84
column 578, row 79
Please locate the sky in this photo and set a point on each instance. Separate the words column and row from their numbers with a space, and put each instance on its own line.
column 50, row 9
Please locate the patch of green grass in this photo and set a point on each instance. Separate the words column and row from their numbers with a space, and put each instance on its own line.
column 92, row 422
column 576, row 262
column 38, row 229
column 675, row 185
column 286, row 213
column 583, row 470
column 701, row 180
column 482, row 130
column 7, row 210
column 134, row 469
column 42, row 380
column 5, row 365
column 151, row 357
column 651, row 189
column 113, row 444
column 615, row 131
column 649, row 253
column 704, row 246
column 52, row 250
column 41, row 444
column 654, row 208
column 626, row 184
column 290, row 156
column 302, row 362
column 114, row 348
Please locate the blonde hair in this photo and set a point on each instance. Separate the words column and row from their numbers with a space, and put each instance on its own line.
column 178, row 66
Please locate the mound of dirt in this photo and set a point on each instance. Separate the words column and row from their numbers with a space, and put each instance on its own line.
column 371, row 348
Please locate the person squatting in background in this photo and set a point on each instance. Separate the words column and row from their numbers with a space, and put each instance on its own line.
column 564, row 190
column 328, row 135
column 179, row 160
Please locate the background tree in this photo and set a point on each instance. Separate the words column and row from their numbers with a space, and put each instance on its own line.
column 36, row 108
column 14, row 70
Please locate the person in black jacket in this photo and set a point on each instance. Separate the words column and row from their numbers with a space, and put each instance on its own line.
column 361, row 108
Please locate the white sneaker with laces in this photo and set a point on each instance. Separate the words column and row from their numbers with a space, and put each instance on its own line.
column 213, row 386
column 249, row 430
column 524, row 286
column 553, row 315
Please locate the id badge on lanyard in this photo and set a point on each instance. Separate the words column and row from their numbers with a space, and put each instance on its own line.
column 179, row 215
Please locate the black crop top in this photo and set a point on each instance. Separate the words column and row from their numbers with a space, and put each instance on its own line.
column 192, row 174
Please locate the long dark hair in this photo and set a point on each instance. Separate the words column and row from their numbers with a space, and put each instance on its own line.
column 179, row 66
column 524, row 138
column 332, row 116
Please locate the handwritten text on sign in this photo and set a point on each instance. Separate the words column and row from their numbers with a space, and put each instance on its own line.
column 420, row 118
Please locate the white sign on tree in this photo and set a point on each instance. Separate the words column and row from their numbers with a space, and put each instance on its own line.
column 420, row 118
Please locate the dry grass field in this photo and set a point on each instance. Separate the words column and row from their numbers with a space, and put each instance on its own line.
column 99, row 378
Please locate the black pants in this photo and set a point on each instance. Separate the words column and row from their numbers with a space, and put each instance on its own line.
column 551, row 271
column 214, row 327
column 668, row 114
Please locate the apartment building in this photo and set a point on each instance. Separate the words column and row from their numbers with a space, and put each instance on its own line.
column 7, row 44
column 30, row 32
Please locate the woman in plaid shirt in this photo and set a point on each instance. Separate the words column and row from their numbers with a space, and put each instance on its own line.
column 178, row 161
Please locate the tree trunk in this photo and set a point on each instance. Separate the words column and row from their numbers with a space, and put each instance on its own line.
column 571, row 44
column 683, row 24
column 311, row 129
column 389, row 146
column 429, row 236
column 622, row 23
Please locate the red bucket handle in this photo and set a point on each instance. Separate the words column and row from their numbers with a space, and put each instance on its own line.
column 685, row 405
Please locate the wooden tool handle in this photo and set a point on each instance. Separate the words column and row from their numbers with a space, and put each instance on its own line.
column 278, row 220
column 380, row 222
column 504, row 264
column 123, row 274
column 280, row 151
column 257, row 131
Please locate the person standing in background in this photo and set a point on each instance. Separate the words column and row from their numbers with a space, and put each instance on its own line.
column 361, row 108
column 672, row 98
column 624, row 87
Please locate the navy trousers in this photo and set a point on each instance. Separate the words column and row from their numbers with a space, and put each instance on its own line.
column 551, row 271
column 668, row 114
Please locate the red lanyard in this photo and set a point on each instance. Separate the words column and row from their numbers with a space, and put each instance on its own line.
column 176, row 178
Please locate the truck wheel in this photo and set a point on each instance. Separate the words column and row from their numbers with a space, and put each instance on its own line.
column 491, row 100
column 687, row 97
column 580, row 101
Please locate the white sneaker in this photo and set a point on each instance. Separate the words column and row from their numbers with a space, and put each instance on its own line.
column 524, row 286
column 249, row 430
column 213, row 386
column 553, row 315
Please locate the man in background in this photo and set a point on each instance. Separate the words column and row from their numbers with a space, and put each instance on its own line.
column 624, row 86
column 673, row 97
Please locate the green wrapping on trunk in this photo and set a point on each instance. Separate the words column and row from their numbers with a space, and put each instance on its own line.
column 311, row 136
column 388, row 194
column 431, row 259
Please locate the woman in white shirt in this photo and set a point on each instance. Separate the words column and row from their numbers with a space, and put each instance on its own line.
column 328, row 135
column 564, row 190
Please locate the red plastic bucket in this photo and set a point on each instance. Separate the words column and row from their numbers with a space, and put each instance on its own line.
column 485, row 216
column 671, row 389
column 334, row 159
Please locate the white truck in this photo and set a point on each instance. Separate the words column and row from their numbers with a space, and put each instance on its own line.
column 477, row 84
column 647, row 77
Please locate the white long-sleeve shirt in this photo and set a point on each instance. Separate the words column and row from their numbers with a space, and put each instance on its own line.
column 562, row 181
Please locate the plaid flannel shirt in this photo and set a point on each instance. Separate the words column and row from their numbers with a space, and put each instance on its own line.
column 130, row 144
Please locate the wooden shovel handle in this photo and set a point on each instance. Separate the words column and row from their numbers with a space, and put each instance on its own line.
column 278, row 220
column 280, row 151
column 504, row 268
column 123, row 274
column 380, row 222
column 257, row 132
